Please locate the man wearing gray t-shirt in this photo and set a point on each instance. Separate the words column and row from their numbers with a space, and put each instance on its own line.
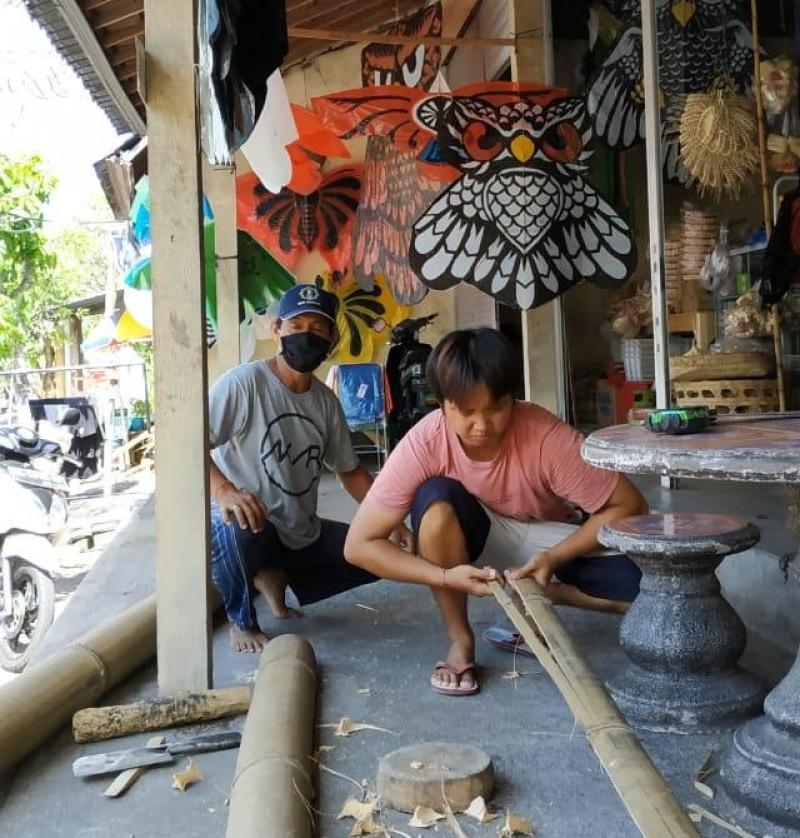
column 273, row 426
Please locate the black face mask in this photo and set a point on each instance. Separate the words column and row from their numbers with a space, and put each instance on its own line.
column 304, row 351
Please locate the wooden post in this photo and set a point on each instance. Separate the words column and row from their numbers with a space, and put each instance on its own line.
column 543, row 340
column 777, row 336
column 655, row 206
column 182, row 460
column 220, row 187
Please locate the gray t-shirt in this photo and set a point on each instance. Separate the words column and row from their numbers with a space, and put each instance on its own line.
column 274, row 443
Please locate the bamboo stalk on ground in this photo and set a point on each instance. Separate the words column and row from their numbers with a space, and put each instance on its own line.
column 641, row 787
column 272, row 786
column 43, row 699
column 94, row 724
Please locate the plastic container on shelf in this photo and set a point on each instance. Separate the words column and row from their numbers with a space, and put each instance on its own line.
column 638, row 358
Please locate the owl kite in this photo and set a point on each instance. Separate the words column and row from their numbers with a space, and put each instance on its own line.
column 519, row 219
column 698, row 40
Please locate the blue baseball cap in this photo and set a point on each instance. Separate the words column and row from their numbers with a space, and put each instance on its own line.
column 308, row 299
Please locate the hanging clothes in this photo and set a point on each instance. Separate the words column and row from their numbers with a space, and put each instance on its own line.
column 241, row 43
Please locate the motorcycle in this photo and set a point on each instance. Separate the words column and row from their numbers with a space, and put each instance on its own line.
column 405, row 371
column 33, row 515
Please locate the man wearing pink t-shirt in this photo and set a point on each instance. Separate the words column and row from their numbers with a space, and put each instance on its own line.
column 497, row 480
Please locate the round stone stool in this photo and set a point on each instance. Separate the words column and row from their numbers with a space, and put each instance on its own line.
column 681, row 636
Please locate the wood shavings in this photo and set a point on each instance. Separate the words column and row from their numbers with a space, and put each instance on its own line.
column 425, row 817
column 715, row 819
column 346, row 726
column 357, row 809
column 365, row 691
column 323, row 749
column 512, row 675
column 369, row 826
column 478, row 810
column 181, row 780
column 367, row 607
column 416, row 765
column 705, row 771
column 515, row 825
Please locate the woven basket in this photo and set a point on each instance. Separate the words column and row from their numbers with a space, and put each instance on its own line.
column 732, row 397
column 716, row 366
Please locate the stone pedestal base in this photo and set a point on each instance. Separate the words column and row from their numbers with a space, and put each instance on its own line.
column 695, row 702
column 682, row 637
column 760, row 767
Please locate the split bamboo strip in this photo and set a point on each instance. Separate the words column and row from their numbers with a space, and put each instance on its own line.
column 272, row 788
column 44, row 697
column 641, row 787
column 94, row 724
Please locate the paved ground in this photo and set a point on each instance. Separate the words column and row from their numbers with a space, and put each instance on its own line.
column 382, row 638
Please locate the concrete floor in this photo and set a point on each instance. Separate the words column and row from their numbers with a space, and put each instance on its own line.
column 385, row 638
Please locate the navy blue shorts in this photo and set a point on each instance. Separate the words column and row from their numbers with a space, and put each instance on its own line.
column 315, row 572
column 604, row 577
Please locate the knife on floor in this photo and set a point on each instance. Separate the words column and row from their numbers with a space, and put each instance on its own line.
column 113, row 761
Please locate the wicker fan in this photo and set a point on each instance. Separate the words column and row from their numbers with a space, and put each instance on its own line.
column 718, row 140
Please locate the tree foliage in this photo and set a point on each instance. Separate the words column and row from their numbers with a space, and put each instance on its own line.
column 33, row 292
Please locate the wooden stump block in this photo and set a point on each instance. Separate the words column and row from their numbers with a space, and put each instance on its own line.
column 416, row 775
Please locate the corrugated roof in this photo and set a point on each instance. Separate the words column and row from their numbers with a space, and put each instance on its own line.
column 50, row 16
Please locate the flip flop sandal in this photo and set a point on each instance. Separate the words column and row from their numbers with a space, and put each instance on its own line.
column 508, row 641
column 458, row 671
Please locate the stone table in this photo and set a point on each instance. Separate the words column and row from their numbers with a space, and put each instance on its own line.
column 761, row 763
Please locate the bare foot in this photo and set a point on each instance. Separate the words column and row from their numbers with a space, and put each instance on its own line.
column 271, row 584
column 247, row 640
column 461, row 653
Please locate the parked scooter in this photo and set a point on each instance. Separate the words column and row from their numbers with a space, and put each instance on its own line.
column 33, row 515
column 405, row 370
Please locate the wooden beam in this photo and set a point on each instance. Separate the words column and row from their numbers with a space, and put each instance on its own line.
column 380, row 38
column 543, row 343
column 114, row 12
column 220, row 187
column 91, row 5
column 348, row 13
column 121, row 52
column 182, row 455
column 124, row 34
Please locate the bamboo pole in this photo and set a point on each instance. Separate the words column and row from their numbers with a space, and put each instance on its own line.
column 272, row 787
column 43, row 699
column 777, row 339
column 641, row 787
column 94, row 724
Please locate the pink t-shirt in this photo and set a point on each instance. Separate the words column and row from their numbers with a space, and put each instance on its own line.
column 538, row 469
